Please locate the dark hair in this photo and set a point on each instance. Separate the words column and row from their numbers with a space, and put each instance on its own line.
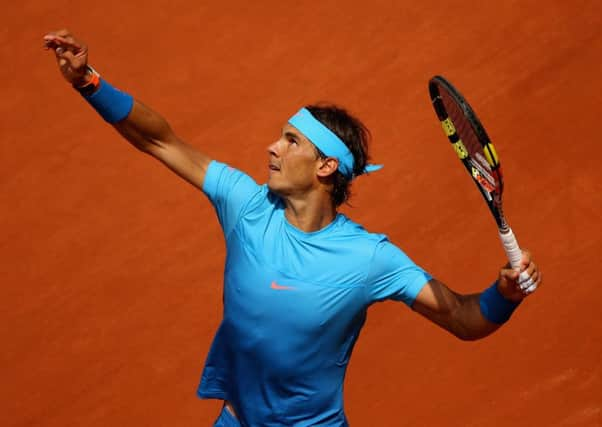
column 356, row 137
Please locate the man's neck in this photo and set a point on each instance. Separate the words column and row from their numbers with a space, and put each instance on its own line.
column 310, row 213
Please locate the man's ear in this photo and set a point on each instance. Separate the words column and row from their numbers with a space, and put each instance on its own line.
column 327, row 167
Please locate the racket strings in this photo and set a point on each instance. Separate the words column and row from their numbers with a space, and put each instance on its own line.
column 480, row 159
column 463, row 127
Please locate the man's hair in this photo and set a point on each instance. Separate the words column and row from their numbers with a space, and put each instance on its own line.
column 356, row 137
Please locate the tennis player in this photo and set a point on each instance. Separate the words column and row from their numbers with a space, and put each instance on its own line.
column 299, row 276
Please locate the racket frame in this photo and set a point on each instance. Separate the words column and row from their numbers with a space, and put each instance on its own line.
column 492, row 196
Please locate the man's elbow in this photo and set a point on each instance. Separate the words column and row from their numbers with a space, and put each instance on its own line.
column 465, row 334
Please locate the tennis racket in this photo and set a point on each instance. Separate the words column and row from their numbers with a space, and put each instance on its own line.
column 476, row 152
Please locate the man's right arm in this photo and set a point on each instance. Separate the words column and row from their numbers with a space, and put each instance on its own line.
column 150, row 133
column 143, row 128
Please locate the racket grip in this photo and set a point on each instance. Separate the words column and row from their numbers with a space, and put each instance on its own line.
column 514, row 255
column 511, row 247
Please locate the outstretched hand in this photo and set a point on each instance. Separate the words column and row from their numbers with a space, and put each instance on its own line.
column 509, row 284
column 71, row 56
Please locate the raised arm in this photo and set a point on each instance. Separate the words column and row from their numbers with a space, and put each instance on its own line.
column 142, row 127
column 474, row 316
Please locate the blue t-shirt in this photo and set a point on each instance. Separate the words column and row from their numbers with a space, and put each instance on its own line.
column 294, row 305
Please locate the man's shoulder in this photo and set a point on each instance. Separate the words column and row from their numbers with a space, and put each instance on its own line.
column 353, row 230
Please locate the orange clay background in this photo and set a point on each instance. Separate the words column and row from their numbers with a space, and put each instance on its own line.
column 111, row 266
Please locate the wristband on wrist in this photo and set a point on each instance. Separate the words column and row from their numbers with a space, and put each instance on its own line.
column 111, row 103
column 494, row 307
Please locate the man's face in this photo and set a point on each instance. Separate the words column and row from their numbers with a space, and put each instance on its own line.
column 293, row 163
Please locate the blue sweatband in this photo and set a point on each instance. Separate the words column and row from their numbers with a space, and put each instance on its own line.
column 112, row 104
column 495, row 307
column 327, row 141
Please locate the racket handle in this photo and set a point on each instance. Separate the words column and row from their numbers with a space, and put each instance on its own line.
column 511, row 247
column 514, row 255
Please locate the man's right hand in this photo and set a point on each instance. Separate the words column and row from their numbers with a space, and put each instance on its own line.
column 71, row 56
column 143, row 128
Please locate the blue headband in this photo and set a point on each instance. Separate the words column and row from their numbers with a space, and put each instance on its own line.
column 326, row 141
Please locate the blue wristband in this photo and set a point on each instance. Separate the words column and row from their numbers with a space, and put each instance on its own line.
column 112, row 104
column 495, row 307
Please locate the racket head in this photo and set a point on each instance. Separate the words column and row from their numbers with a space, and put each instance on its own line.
column 471, row 143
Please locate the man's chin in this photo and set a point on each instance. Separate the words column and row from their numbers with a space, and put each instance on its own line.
column 275, row 188
column 272, row 187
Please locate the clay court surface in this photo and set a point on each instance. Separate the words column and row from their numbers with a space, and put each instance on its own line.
column 111, row 266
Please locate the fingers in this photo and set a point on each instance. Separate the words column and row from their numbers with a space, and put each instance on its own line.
column 62, row 41
column 530, row 277
column 63, row 32
column 531, row 288
column 71, row 55
column 525, row 259
column 52, row 41
column 531, row 284
column 60, row 45
column 60, row 35
column 67, row 56
column 527, row 280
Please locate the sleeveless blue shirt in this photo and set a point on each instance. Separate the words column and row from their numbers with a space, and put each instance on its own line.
column 294, row 305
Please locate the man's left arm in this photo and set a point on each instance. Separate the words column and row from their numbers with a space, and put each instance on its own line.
column 474, row 316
